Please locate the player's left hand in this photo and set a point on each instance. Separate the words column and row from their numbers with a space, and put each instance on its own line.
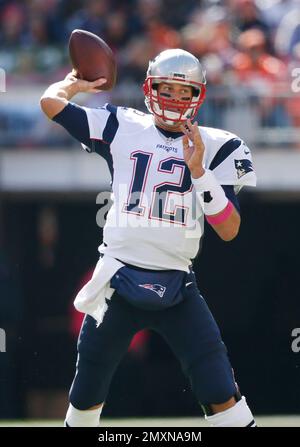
column 193, row 154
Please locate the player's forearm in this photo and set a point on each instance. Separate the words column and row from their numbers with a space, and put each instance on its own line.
column 56, row 97
column 219, row 211
column 229, row 228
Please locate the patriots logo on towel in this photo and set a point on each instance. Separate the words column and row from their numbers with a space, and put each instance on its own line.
column 157, row 288
column 243, row 167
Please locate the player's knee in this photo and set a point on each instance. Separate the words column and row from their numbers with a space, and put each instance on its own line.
column 91, row 384
column 212, row 378
column 86, row 398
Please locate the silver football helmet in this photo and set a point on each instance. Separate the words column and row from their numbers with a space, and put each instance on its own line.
column 174, row 66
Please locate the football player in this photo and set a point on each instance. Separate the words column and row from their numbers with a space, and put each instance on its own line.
column 168, row 174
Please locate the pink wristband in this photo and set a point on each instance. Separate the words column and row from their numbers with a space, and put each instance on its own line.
column 216, row 220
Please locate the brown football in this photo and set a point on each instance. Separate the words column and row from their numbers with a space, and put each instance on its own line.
column 92, row 58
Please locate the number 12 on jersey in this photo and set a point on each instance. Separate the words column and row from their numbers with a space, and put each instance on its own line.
column 162, row 192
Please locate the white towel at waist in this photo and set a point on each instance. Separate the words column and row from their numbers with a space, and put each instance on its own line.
column 91, row 298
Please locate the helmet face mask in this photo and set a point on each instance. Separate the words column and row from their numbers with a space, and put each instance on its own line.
column 180, row 67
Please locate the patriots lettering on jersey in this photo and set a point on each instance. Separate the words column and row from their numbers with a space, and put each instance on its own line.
column 157, row 288
column 167, row 148
column 243, row 167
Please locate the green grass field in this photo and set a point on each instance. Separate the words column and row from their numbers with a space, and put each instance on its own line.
column 262, row 421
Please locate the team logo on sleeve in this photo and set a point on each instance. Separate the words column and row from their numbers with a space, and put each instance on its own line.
column 243, row 167
column 157, row 288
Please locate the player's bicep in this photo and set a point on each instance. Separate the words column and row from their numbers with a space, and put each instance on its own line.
column 74, row 119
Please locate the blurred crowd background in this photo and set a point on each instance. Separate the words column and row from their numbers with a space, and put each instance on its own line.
column 249, row 50
column 48, row 234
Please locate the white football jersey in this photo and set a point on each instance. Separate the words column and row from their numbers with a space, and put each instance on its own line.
column 155, row 221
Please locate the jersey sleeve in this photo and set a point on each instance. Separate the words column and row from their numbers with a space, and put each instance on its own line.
column 232, row 164
column 95, row 128
column 73, row 118
column 103, row 124
column 231, row 195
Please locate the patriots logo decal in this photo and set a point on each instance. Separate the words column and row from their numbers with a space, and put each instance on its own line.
column 157, row 288
column 243, row 167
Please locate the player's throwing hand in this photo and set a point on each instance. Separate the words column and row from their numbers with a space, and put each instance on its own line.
column 85, row 86
column 56, row 97
column 193, row 154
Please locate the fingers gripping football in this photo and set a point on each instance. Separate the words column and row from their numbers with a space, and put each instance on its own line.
column 86, row 86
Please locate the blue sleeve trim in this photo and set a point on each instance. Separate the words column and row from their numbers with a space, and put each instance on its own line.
column 104, row 150
column 112, row 124
column 224, row 152
column 230, row 194
column 74, row 119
